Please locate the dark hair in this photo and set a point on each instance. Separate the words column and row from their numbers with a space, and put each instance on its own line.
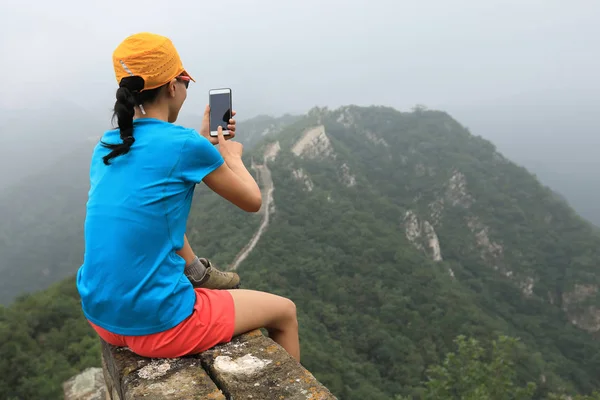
column 129, row 95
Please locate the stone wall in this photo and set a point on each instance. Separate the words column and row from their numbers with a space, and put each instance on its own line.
column 251, row 366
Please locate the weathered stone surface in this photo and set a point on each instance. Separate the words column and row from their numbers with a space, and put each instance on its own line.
column 88, row 385
column 129, row 376
column 252, row 366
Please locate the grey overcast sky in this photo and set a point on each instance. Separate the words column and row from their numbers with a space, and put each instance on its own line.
column 287, row 56
column 523, row 73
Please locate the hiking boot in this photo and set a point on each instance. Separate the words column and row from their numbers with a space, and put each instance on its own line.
column 212, row 278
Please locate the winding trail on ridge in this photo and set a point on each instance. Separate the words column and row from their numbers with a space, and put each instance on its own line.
column 266, row 183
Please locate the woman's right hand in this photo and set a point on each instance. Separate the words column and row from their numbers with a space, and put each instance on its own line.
column 228, row 148
column 232, row 180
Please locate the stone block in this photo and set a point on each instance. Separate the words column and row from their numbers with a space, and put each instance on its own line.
column 252, row 366
column 129, row 376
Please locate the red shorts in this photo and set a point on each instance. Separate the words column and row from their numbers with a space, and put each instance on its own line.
column 212, row 322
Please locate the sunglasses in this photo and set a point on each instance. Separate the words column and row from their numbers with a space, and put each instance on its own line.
column 184, row 79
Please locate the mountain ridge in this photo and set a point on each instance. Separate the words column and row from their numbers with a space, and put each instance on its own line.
column 395, row 231
column 477, row 228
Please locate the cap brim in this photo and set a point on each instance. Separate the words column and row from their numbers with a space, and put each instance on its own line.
column 188, row 75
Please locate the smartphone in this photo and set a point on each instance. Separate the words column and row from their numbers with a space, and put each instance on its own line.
column 220, row 110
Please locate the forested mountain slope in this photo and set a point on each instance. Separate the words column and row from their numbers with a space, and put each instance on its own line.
column 396, row 232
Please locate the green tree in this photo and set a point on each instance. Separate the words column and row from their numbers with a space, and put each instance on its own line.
column 474, row 373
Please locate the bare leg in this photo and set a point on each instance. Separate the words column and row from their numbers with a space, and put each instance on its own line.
column 277, row 314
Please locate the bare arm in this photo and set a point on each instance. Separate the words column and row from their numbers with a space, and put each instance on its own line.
column 232, row 180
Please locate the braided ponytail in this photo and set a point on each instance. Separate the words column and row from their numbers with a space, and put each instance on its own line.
column 129, row 95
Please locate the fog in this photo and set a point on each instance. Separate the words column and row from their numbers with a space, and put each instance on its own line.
column 523, row 74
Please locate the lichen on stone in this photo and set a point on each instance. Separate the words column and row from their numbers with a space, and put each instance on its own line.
column 154, row 370
column 246, row 365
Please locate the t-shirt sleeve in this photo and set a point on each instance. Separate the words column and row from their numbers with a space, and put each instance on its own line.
column 199, row 157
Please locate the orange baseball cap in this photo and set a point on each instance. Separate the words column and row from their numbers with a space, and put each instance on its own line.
column 150, row 56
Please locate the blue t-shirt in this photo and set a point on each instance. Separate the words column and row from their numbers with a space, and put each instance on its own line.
column 132, row 281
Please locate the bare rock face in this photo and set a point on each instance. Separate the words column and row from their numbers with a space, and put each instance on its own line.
column 582, row 315
column 456, row 191
column 302, row 176
column 418, row 233
column 271, row 151
column 88, row 385
column 347, row 178
column 251, row 366
column 314, row 143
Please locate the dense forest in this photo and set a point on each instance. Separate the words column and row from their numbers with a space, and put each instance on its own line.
column 404, row 240
column 477, row 372
column 47, row 341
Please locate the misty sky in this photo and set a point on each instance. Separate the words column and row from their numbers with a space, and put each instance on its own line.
column 287, row 56
column 523, row 73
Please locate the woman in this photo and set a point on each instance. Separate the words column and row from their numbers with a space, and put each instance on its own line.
column 136, row 279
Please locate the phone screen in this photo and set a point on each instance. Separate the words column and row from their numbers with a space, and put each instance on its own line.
column 220, row 109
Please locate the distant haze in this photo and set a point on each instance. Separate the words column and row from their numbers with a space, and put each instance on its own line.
column 521, row 73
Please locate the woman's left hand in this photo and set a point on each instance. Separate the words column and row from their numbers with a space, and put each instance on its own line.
column 205, row 129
